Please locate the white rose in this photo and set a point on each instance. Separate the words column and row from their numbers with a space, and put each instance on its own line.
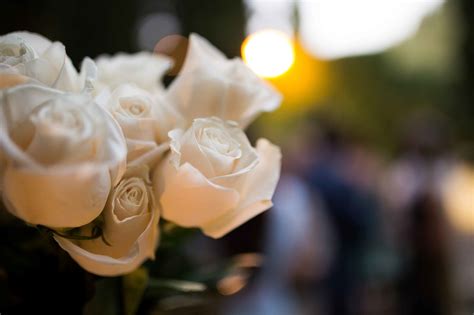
column 38, row 58
column 62, row 154
column 143, row 69
column 145, row 120
column 211, row 85
column 213, row 178
column 130, row 228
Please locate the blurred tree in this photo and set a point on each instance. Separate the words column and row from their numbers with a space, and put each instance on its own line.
column 466, row 54
column 221, row 22
column 86, row 27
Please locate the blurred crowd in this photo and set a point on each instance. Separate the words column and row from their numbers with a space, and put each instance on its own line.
column 354, row 233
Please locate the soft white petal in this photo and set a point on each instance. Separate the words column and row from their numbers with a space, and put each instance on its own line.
column 132, row 236
column 88, row 75
column 144, row 69
column 56, row 199
column 191, row 152
column 143, row 118
column 211, row 85
column 104, row 265
column 201, row 51
column 68, row 78
column 255, row 193
column 10, row 77
column 38, row 42
column 148, row 155
column 189, row 199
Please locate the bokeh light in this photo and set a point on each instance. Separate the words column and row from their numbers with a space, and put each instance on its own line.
column 458, row 198
column 269, row 53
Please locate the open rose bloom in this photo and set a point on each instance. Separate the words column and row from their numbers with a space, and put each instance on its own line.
column 101, row 156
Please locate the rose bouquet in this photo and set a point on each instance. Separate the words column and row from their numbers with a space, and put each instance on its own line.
column 98, row 158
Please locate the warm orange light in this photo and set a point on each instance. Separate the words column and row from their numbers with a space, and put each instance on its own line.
column 269, row 53
column 458, row 197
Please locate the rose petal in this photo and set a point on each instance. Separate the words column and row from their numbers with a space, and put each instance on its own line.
column 145, row 127
column 68, row 78
column 201, row 51
column 104, row 265
column 143, row 69
column 188, row 198
column 191, row 152
column 211, row 85
column 88, row 75
column 255, row 193
column 168, row 118
column 57, row 199
column 148, row 154
column 9, row 78
column 38, row 42
column 44, row 61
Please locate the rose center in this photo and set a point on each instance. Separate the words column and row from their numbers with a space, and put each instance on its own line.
column 220, row 141
column 66, row 119
column 132, row 198
column 59, row 132
column 135, row 107
column 13, row 54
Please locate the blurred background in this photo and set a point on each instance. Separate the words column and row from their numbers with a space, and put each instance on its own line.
column 374, row 213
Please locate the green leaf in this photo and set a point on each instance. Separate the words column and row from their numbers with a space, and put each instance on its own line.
column 176, row 285
column 106, row 300
column 133, row 288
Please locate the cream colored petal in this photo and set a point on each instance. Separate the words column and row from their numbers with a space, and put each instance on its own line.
column 143, row 249
column 56, row 199
column 9, row 77
column 121, row 235
column 68, row 78
column 3, row 163
column 247, row 161
column 42, row 71
column 16, row 104
column 221, row 163
column 139, row 131
column 199, row 94
column 251, row 95
column 55, row 55
column 114, row 146
column 49, row 63
column 38, row 42
column 143, row 154
column 87, row 76
column 255, row 193
column 138, row 148
column 201, row 51
column 137, row 128
column 188, row 198
column 143, row 69
column 211, row 85
column 153, row 117
column 191, row 152
column 167, row 118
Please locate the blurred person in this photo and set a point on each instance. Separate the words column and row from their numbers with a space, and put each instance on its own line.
column 297, row 253
column 352, row 210
column 298, row 246
column 411, row 191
